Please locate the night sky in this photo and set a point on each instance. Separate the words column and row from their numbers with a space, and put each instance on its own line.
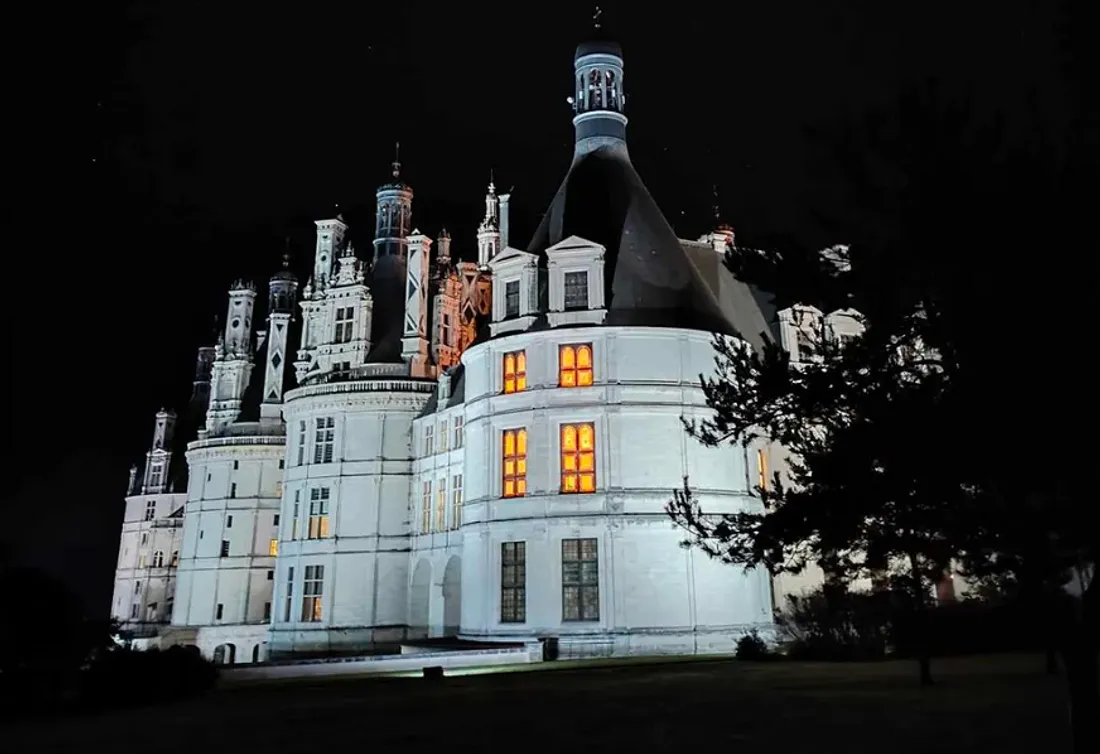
column 211, row 132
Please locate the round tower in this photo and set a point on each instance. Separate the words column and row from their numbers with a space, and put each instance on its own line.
column 598, row 99
column 282, row 290
column 393, row 218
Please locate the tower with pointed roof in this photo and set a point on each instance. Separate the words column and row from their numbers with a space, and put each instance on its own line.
column 282, row 299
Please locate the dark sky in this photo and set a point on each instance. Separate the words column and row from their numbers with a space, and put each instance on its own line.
column 209, row 132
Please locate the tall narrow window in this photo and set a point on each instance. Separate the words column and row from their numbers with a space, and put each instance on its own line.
column 289, row 594
column 761, row 470
column 233, row 489
column 576, row 290
column 150, row 510
column 441, row 504
column 426, row 508
column 513, row 582
column 318, row 512
column 313, row 586
column 143, row 559
column 294, row 520
column 511, row 299
column 459, row 432
column 225, row 548
column 345, row 321
column 514, row 454
column 446, row 329
column 158, row 559
column 218, row 613
column 578, row 458
column 175, row 558
column 301, row 442
column 575, row 365
column 156, row 474
column 267, row 612
column 456, row 501
column 324, row 439
column 273, row 547
column 515, row 372
column 580, row 580
column 429, row 439
column 443, row 436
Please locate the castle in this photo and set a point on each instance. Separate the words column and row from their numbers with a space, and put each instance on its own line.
column 420, row 446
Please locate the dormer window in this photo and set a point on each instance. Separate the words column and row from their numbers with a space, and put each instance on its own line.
column 344, row 324
column 511, row 299
column 515, row 372
column 576, row 290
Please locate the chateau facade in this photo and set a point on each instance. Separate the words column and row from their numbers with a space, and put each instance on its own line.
column 411, row 445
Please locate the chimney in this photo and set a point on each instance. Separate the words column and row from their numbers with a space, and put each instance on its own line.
column 504, row 220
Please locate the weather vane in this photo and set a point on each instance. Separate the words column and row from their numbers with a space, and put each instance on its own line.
column 396, row 165
column 596, row 17
column 286, row 253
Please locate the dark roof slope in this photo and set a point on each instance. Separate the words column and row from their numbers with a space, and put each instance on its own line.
column 650, row 278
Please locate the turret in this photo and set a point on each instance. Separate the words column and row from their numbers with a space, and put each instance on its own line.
column 238, row 321
column 232, row 364
column 488, row 233
column 598, row 99
column 330, row 240
column 282, row 297
column 393, row 222
column 414, row 341
column 158, row 459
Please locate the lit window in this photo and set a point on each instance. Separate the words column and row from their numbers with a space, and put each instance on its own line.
column 318, row 512
column 580, row 580
column 443, row 437
column 312, row 589
column 578, row 458
column 458, row 432
column 273, row 548
column 426, row 508
column 576, row 290
column 513, row 582
column 141, row 560
column 456, row 501
column 429, row 439
column 761, row 470
column 515, row 372
column 575, row 365
column 324, row 438
column 441, row 505
column 515, row 462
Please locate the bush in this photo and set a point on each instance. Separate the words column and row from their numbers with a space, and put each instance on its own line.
column 163, row 675
column 751, row 647
column 835, row 624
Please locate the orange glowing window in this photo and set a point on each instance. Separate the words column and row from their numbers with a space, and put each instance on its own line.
column 514, row 452
column 575, row 365
column 761, row 470
column 578, row 458
column 515, row 372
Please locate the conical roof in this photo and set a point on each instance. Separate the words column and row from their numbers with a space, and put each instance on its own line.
column 651, row 278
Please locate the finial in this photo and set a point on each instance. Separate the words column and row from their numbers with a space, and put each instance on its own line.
column 286, row 253
column 714, row 193
column 596, row 17
column 396, row 164
column 492, row 183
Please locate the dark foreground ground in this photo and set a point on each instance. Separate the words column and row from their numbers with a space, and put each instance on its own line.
column 980, row 704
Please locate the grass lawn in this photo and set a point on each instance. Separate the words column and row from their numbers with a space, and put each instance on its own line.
column 980, row 704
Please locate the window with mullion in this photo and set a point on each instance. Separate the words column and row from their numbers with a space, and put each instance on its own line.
column 513, row 582
column 580, row 580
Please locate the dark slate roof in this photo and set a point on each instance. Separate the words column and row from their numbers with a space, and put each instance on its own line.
column 651, row 279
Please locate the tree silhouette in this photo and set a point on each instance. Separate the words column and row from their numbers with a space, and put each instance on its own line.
column 955, row 428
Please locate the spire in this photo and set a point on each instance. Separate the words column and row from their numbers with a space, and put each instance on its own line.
column 286, row 253
column 396, row 164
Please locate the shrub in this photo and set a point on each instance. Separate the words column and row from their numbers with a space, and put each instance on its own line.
column 835, row 624
column 752, row 648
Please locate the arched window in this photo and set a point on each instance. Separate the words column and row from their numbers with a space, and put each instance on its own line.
column 578, row 458
column 595, row 91
column 515, row 372
column 612, row 90
column 575, row 365
column 514, row 456
column 158, row 559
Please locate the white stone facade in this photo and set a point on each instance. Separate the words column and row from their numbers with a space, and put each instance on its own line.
column 148, row 554
column 230, row 538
